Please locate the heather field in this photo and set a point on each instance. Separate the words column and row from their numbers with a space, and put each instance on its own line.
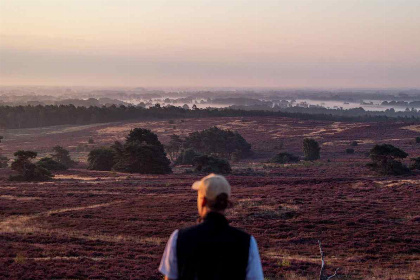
column 108, row 225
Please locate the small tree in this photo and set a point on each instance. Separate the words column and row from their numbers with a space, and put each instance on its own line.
column 284, row 158
column 354, row 144
column 350, row 151
column 210, row 164
column 91, row 141
column 50, row 164
column 311, row 149
column 418, row 140
column 187, row 157
column 28, row 171
column 174, row 146
column 416, row 163
column 4, row 162
column 385, row 160
column 62, row 156
column 102, row 159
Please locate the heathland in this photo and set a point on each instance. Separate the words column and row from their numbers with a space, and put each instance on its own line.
column 87, row 224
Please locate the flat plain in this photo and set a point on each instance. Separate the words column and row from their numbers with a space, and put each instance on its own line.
column 108, row 225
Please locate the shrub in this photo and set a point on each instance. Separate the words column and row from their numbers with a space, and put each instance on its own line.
column 102, row 159
column 91, row 141
column 50, row 164
column 28, row 171
column 311, row 149
column 418, row 140
column 187, row 157
column 284, row 158
column 416, row 163
column 354, row 143
column 174, row 146
column 210, row 164
column 222, row 143
column 4, row 162
column 385, row 160
column 350, row 151
column 236, row 156
column 62, row 156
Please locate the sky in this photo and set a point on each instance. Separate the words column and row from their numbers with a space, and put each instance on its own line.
column 211, row 43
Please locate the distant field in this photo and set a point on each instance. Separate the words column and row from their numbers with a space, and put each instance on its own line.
column 97, row 225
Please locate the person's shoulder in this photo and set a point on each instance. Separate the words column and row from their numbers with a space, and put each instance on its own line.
column 240, row 232
column 190, row 229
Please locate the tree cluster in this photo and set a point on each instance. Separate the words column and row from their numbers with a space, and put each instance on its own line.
column 28, row 171
column 142, row 153
column 49, row 115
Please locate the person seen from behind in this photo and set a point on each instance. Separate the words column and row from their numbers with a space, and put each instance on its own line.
column 211, row 249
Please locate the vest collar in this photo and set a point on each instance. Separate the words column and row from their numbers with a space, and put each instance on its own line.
column 216, row 218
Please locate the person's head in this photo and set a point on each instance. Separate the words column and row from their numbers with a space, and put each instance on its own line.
column 213, row 193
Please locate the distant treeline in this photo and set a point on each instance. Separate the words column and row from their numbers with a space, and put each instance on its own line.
column 39, row 116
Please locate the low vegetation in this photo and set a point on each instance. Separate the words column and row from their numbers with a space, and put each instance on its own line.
column 187, row 157
column 50, row 164
column 284, row 158
column 416, row 163
column 350, row 151
column 211, row 164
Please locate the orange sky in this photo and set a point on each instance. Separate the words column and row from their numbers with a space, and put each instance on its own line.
column 267, row 43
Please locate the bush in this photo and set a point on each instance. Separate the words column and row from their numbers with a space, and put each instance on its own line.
column 284, row 158
column 311, row 149
column 102, row 159
column 91, row 141
column 50, row 164
column 210, row 164
column 385, row 160
column 416, row 163
column 187, row 157
column 62, row 156
column 418, row 140
column 236, row 156
column 4, row 162
column 28, row 171
column 222, row 143
column 354, row 143
column 350, row 151
column 142, row 153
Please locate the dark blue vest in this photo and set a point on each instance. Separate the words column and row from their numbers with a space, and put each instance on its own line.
column 212, row 250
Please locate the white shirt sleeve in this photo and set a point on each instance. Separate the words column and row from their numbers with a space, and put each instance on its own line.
column 169, row 263
column 254, row 269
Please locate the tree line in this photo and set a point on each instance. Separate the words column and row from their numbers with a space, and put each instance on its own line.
column 16, row 117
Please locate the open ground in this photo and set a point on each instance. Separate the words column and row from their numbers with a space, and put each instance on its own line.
column 96, row 225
